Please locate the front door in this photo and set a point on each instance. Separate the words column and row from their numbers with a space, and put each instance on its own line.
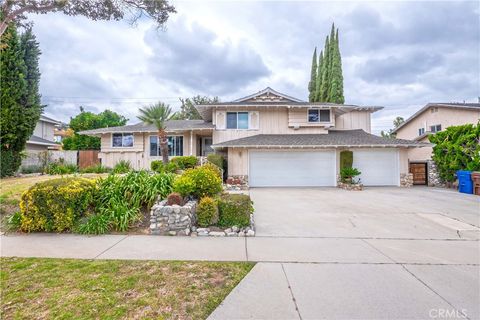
column 419, row 171
column 206, row 146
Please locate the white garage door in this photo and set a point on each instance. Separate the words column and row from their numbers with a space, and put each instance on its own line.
column 291, row 169
column 379, row 167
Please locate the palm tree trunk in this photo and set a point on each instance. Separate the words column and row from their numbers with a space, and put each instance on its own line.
column 162, row 137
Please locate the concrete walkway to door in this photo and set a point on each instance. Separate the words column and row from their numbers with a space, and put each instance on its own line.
column 380, row 253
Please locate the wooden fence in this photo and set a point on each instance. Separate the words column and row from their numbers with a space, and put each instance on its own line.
column 87, row 158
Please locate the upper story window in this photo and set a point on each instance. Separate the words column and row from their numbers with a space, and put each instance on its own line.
column 122, row 140
column 318, row 115
column 436, row 128
column 434, row 109
column 237, row 120
column 421, row 131
column 175, row 146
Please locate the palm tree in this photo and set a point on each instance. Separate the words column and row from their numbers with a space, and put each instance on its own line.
column 157, row 114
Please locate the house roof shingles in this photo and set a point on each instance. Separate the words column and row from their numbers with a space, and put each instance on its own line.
column 40, row 141
column 171, row 125
column 334, row 138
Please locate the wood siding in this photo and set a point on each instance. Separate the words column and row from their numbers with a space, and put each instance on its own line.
column 354, row 120
column 299, row 117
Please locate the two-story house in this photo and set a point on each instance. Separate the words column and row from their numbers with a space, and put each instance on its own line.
column 270, row 139
column 430, row 119
column 41, row 140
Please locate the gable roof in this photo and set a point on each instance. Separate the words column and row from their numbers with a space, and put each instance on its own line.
column 334, row 138
column 50, row 120
column 171, row 125
column 268, row 94
column 461, row 106
column 40, row 141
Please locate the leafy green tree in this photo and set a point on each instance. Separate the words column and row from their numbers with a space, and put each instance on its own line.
column 158, row 114
column 86, row 121
column 456, row 148
column 312, row 85
column 20, row 107
column 188, row 110
column 396, row 123
column 158, row 10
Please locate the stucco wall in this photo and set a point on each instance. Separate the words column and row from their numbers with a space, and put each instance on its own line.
column 354, row 120
column 446, row 117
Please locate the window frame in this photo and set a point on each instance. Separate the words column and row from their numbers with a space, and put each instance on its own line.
column 237, row 120
column 123, row 134
column 319, row 116
column 159, row 153
column 437, row 127
column 421, row 131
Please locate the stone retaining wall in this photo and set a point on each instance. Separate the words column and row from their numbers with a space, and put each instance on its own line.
column 173, row 220
column 406, row 180
column 350, row 186
column 237, row 183
column 433, row 177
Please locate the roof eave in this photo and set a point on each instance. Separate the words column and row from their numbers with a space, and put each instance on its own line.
column 323, row 146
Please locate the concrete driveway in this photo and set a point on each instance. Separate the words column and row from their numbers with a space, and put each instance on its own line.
column 383, row 253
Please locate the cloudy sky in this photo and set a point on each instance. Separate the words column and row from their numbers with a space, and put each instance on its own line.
column 400, row 55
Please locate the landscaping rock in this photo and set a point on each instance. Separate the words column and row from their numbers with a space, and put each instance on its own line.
column 170, row 220
column 217, row 233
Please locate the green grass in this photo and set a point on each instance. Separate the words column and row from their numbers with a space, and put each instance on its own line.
column 113, row 289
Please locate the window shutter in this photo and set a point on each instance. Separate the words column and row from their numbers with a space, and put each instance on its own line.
column 254, row 120
column 220, row 120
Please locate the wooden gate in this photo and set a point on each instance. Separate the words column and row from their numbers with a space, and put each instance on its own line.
column 87, row 158
column 419, row 171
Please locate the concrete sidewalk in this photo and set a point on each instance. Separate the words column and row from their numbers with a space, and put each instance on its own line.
column 303, row 278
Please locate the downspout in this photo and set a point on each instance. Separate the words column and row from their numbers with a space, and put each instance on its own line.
column 191, row 142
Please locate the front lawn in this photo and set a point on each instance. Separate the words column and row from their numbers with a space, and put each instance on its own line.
column 112, row 289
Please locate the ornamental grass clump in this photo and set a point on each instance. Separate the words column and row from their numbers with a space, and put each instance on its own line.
column 56, row 205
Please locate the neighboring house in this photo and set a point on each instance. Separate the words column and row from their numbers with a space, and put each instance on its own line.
column 430, row 119
column 270, row 139
column 42, row 139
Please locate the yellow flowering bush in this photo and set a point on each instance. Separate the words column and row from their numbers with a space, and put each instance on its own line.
column 199, row 182
column 57, row 204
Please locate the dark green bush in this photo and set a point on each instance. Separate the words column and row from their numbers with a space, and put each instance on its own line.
column 346, row 159
column 234, row 210
column 207, row 212
column 9, row 162
column 57, row 204
column 122, row 166
column 216, row 159
column 456, row 148
column 61, row 168
column 160, row 167
column 98, row 168
column 199, row 182
column 185, row 162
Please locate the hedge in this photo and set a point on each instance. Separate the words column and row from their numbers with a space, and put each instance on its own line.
column 234, row 210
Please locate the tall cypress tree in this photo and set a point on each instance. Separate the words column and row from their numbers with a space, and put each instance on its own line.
column 19, row 109
column 336, row 84
column 324, row 86
column 31, row 52
column 319, row 77
column 312, row 85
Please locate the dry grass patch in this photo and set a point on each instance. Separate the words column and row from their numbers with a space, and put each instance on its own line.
column 113, row 289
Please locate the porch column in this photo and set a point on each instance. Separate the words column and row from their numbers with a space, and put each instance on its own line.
column 191, row 142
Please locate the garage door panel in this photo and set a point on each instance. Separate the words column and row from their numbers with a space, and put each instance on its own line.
column 279, row 169
column 378, row 167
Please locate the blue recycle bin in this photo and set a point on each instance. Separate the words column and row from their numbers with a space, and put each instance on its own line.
column 465, row 183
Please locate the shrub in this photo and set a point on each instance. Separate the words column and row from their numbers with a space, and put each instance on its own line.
column 234, row 210
column 120, row 198
column 207, row 212
column 61, row 168
column 31, row 169
column 55, row 205
column 175, row 198
column 216, row 159
column 98, row 168
column 14, row 221
column 160, row 167
column 122, row 166
column 199, row 182
column 185, row 162
column 456, row 148
column 214, row 168
column 346, row 159
column 347, row 174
